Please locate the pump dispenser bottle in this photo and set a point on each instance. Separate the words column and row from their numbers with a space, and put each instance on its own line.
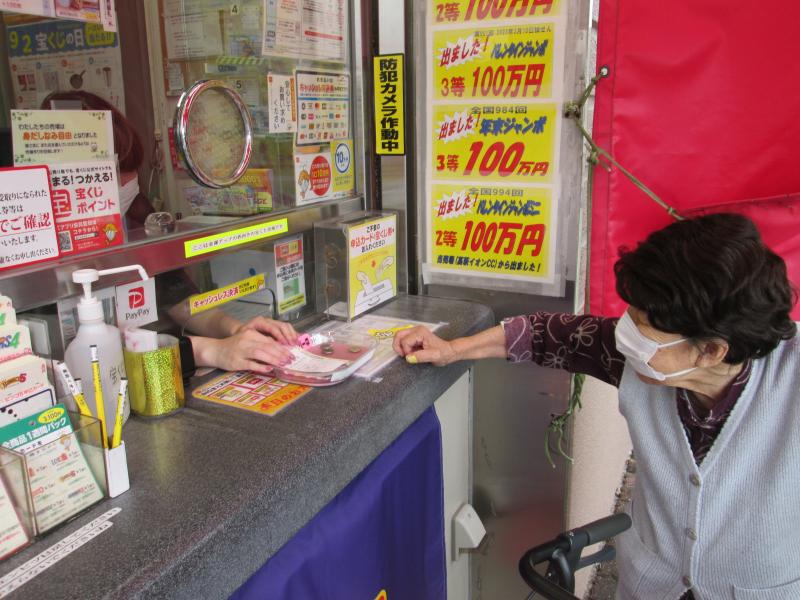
column 93, row 331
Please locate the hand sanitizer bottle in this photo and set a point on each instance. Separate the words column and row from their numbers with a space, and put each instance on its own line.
column 93, row 331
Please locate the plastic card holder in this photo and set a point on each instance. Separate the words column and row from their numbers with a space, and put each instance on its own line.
column 60, row 478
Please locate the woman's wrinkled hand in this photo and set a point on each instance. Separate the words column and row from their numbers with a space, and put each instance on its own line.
column 420, row 345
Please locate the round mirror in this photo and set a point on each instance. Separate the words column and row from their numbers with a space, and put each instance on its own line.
column 214, row 133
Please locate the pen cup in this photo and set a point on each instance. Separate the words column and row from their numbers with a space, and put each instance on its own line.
column 117, row 470
column 155, row 385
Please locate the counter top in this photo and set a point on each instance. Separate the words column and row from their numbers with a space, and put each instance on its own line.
column 216, row 491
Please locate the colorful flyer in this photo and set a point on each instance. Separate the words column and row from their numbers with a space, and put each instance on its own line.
column 282, row 105
column 49, row 56
column 494, row 63
column 85, row 10
column 482, row 11
column 256, row 393
column 94, row 11
column 372, row 257
column 500, row 229
column 252, row 194
column 494, row 142
column 323, row 107
column 290, row 289
column 86, row 206
column 61, row 481
column 56, row 136
column 27, row 226
column 324, row 175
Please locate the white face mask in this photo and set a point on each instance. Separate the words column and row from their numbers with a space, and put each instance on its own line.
column 127, row 193
column 638, row 349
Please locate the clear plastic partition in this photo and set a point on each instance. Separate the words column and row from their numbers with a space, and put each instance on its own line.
column 290, row 61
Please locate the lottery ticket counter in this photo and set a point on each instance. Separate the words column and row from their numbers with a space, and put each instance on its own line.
column 216, row 492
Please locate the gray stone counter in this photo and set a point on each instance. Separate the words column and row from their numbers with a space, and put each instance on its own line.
column 215, row 491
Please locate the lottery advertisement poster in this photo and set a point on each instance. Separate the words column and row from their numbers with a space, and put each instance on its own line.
column 483, row 11
column 494, row 142
column 501, row 229
column 498, row 62
column 495, row 70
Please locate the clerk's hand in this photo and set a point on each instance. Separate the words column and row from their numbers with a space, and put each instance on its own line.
column 420, row 345
column 278, row 330
column 246, row 350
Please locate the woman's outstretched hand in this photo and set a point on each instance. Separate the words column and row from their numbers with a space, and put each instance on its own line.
column 420, row 345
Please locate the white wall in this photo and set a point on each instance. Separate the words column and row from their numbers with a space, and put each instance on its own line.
column 600, row 447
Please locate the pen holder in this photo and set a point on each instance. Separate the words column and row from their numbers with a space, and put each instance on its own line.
column 117, row 470
column 155, row 385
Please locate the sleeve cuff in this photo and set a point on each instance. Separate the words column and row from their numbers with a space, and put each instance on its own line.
column 517, row 332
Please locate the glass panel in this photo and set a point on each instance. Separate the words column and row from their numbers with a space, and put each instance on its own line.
column 290, row 62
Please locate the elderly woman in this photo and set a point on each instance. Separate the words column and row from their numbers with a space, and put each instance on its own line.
column 707, row 362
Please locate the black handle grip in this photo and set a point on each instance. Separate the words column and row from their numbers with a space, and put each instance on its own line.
column 602, row 529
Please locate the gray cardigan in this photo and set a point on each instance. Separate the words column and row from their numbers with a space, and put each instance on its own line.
column 729, row 528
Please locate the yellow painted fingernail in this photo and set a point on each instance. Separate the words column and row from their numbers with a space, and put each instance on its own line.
column 411, row 359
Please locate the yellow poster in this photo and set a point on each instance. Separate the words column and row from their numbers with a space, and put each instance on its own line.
column 495, row 63
column 492, row 228
column 499, row 142
column 482, row 11
column 372, row 255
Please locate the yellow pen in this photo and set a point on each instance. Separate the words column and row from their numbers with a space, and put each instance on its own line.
column 117, row 438
column 74, row 390
column 98, row 394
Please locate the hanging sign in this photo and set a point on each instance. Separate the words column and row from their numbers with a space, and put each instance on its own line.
column 471, row 11
column 27, row 230
column 506, row 142
column 492, row 228
column 389, row 104
column 495, row 63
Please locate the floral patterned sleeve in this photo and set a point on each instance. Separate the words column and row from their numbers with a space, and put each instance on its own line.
column 575, row 343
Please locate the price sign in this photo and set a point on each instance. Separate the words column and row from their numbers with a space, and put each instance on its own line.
column 500, row 62
column 503, row 230
column 507, row 142
column 480, row 11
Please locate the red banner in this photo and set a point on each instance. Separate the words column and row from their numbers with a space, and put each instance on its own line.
column 701, row 105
